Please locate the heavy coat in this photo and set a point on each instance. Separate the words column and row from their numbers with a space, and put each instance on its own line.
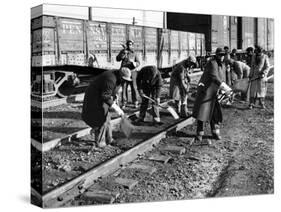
column 99, row 97
column 260, row 65
column 128, row 56
column 242, row 70
column 149, row 80
column 206, row 104
column 179, row 81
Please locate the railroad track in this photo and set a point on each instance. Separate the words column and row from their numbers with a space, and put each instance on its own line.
column 72, row 185
column 46, row 146
column 111, row 161
column 144, row 139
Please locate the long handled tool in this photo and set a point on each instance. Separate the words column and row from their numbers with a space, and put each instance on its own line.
column 169, row 109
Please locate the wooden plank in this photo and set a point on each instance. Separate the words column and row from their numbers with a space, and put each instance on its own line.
column 69, row 99
column 73, row 187
column 160, row 158
column 126, row 183
column 185, row 123
column 173, row 149
column 44, row 147
column 147, row 169
column 100, row 196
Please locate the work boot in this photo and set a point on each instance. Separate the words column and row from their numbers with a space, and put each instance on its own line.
column 252, row 101
column 156, row 121
column 183, row 113
column 199, row 136
column 124, row 105
column 112, row 142
column 101, row 144
column 216, row 134
column 261, row 103
column 198, row 139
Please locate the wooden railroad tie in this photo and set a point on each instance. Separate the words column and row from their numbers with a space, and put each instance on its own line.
column 173, row 149
column 126, row 183
column 143, row 168
column 160, row 158
column 100, row 196
column 78, row 185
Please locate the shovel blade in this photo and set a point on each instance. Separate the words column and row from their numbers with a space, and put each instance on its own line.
column 126, row 127
column 173, row 112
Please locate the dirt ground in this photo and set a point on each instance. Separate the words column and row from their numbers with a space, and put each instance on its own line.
column 239, row 164
column 242, row 163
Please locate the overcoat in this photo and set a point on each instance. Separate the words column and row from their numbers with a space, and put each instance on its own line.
column 241, row 70
column 260, row 65
column 149, row 80
column 179, row 81
column 99, row 97
column 206, row 106
column 128, row 56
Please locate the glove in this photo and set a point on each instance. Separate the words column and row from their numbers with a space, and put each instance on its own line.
column 116, row 99
column 224, row 87
column 141, row 93
column 117, row 109
column 261, row 74
column 133, row 63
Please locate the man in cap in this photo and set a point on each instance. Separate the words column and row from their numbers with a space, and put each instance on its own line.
column 99, row 99
column 258, row 74
column 149, row 83
column 179, row 84
column 129, row 60
column 227, row 66
column 239, row 70
column 206, row 106
column 233, row 54
column 249, row 55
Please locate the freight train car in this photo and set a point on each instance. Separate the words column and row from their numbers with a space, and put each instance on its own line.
column 220, row 30
column 61, row 48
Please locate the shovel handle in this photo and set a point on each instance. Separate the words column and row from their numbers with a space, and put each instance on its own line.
column 149, row 98
column 153, row 101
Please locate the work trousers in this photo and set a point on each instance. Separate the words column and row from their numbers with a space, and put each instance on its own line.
column 200, row 126
column 103, row 134
column 133, row 86
column 144, row 105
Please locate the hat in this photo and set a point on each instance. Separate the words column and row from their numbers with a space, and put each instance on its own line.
column 220, row 51
column 250, row 49
column 192, row 59
column 258, row 48
column 125, row 73
column 129, row 41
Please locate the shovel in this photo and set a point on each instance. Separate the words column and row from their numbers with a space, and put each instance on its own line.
column 126, row 127
column 169, row 109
